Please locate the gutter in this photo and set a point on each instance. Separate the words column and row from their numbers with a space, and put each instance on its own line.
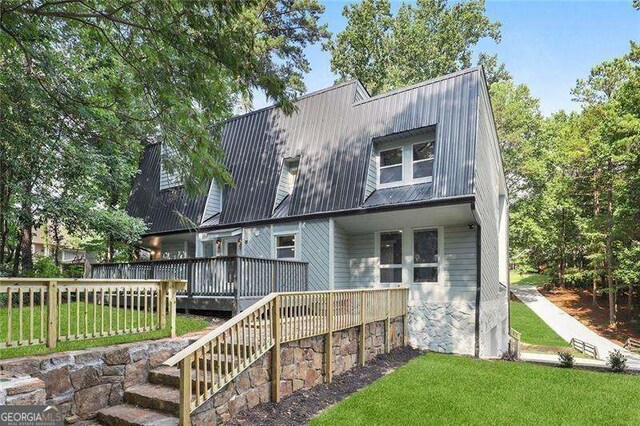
column 478, row 280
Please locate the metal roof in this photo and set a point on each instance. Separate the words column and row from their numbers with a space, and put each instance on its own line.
column 163, row 211
column 399, row 195
column 333, row 132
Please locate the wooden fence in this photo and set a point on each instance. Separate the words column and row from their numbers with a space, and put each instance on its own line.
column 632, row 344
column 585, row 348
column 232, row 276
column 215, row 359
column 42, row 311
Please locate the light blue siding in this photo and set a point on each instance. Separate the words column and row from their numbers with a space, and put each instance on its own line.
column 167, row 180
column 314, row 242
column 341, row 268
column 363, row 261
column 258, row 242
column 214, row 201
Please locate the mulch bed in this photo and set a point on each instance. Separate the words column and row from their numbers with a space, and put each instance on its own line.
column 300, row 407
column 579, row 304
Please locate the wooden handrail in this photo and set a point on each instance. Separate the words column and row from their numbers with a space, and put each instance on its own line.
column 188, row 259
column 276, row 319
column 93, row 308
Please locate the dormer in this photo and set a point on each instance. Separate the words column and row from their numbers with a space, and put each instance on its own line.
column 401, row 159
column 167, row 180
column 214, row 201
column 288, row 175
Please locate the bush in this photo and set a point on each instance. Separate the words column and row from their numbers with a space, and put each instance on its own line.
column 566, row 359
column 617, row 362
column 73, row 271
column 45, row 267
column 509, row 355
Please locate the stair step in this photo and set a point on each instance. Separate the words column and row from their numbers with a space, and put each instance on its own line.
column 130, row 415
column 154, row 397
column 170, row 376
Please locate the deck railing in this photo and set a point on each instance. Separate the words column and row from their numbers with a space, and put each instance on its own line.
column 233, row 276
column 215, row 359
column 47, row 311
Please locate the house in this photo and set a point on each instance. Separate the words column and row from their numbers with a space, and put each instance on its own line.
column 43, row 245
column 402, row 188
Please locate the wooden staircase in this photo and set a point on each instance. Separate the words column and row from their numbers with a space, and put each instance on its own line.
column 157, row 402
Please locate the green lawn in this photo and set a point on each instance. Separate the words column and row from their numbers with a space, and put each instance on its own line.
column 534, row 330
column 537, row 280
column 450, row 390
column 184, row 324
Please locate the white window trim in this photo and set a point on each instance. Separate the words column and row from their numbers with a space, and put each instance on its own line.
column 296, row 246
column 407, row 164
column 440, row 262
column 377, row 244
column 426, row 178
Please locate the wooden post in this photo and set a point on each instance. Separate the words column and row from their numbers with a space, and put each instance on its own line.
column 387, row 325
column 185, row 391
column 275, row 352
column 328, row 341
column 52, row 301
column 162, row 304
column 362, row 329
column 172, row 307
column 274, row 276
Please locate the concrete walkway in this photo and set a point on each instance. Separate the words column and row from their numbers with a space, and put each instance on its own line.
column 567, row 326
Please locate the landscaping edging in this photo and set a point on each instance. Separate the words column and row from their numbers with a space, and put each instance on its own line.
column 82, row 382
column 301, row 368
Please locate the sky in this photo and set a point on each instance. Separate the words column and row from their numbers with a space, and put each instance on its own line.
column 546, row 45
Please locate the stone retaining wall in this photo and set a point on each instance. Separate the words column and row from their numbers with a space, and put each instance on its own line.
column 302, row 367
column 80, row 383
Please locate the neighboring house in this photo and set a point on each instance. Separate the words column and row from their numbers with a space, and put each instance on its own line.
column 403, row 188
column 43, row 245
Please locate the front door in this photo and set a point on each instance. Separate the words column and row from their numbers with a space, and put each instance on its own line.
column 231, row 248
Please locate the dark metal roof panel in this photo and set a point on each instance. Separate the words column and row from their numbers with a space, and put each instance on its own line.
column 332, row 131
column 399, row 195
column 162, row 211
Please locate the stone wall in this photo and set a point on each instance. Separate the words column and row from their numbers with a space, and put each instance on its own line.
column 302, row 366
column 80, row 383
column 21, row 389
column 442, row 326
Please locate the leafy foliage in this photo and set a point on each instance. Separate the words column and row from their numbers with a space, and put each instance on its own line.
column 566, row 359
column 617, row 361
column 421, row 41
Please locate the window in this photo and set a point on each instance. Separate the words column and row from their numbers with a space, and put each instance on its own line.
column 422, row 159
column 409, row 162
column 425, row 256
column 391, row 257
column 291, row 167
column 286, row 247
column 391, row 166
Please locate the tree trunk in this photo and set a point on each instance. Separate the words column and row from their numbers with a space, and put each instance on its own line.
column 630, row 303
column 110, row 249
column 16, row 255
column 609, row 254
column 561, row 258
column 26, row 251
column 55, row 227
column 596, row 214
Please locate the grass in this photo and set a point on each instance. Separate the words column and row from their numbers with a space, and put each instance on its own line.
column 537, row 280
column 449, row 390
column 535, row 332
column 184, row 324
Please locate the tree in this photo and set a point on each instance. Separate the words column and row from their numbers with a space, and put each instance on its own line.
column 421, row 41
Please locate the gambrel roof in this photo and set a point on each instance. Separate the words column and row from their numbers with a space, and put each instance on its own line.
column 332, row 131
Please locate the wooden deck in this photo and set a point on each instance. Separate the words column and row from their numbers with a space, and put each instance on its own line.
column 228, row 283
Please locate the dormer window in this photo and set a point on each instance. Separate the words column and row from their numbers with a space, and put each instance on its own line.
column 287, row 179
column 405, row 162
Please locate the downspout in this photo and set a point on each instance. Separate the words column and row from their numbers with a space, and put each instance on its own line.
column 478, row 280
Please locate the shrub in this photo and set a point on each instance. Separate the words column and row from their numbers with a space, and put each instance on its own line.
column 45, row 267
column 566, row 359
column 509, row 355
column 617, row 362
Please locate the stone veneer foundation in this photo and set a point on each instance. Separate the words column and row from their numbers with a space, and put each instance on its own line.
column 302, row 367
column 442, row 326
column 80, row 383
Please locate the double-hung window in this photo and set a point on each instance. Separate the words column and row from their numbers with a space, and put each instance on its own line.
column 391, row 257
column 406, row 162
column 391, row 166
column 425, row 256
column 286, row 246
column 422, row 160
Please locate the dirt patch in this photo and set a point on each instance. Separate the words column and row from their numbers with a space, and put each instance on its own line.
column 579, row 304
column 302, row 406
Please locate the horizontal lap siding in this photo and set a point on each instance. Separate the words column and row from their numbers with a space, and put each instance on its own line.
column 363, row 261
column 459, row 262
column 314, row 244
column 341, row 268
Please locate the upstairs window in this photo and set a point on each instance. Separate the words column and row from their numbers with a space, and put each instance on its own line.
column 405, row 162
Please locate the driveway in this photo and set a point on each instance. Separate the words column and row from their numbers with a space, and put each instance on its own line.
column 567, row 326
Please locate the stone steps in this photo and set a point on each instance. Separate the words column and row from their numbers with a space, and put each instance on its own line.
column 154, row 397
column 130, row 415
column 170, row 376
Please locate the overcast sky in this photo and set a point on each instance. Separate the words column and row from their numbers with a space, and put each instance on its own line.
column 545, row 44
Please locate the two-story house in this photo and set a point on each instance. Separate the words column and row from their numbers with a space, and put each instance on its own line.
column 402, row 188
